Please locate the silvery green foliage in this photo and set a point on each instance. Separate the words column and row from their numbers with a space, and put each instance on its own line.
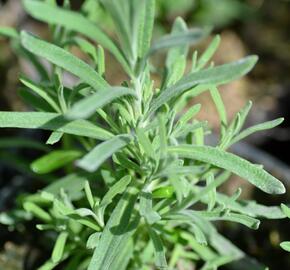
column 134, row 155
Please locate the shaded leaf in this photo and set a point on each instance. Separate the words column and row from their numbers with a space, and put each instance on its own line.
column 57, row 252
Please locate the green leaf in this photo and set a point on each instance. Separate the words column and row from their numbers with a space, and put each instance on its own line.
column 9, row 32
column 160, row 258
column 209, row 52
column 116, row 233
column 218, row 101
column 212, row 193
column 87, row 47
column 57, row 252
column 285, row 245
column 89, row 194
column 124, row 256
column 63, row 59
column 162, row 136
column 34, row 101
column 122, row 17
column 260, row 127
column 54, row 122
column 216, row 75
column 118, row 188
column 93, row 240
column 250, row 208
column 49, row 265
column 54, row 137
column 101, row 60
column 232, row 163
column 188, row 115
column 285, row 209
column 163, row 192
column 41, row 92
column 73, row 21
column 239, row 218
column 94, row 159
column 37, row 211
column 176, row 56
column 146, row 209
column 72, row 184
column 191, row 36
column 146, row 27
column 87, row 106
column 205, row 252
column 54, row 161
column 199, row 235
column 145, row 143
column 22, row 143
column 184, row 130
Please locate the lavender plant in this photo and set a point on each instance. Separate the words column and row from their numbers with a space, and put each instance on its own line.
column 140, row 189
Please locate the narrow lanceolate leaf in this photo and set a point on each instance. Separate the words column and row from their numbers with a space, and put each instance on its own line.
column 93, row 240
column 75, row 22
column 176, row 56
column 72, row 184
column 54, row 137
column 219, row 104
column 6, row 142
column 63, row 59
column 146, row 27
column 285, row 245
column 9, row 32
column 188, row 115
column 37, row 211
column 117, row 188
column 116, row 233
column 256, row 128
column 41, row 92
column 250, row 208
column 146, row 209
column 252, row 173
column 54, row 161
column 58, row 249
column 209, row 52
column 285, row 209
column 122, row 260
column 160, row 259
column 87, row 106
column 248, row 221
column 89, row 194
column 54, row 122
column 216, row 75
column 145, row 143
column 191, row 36
column 94, row 159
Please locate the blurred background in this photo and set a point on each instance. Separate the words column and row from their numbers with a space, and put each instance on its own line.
column 246, row 27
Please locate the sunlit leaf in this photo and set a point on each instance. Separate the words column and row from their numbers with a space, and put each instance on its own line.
column 233, row 163
column 54, row 160
column 94, row 159
column 54, row 122
column 63, row 59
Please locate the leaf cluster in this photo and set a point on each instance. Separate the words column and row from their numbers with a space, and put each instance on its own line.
column 138, row 180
